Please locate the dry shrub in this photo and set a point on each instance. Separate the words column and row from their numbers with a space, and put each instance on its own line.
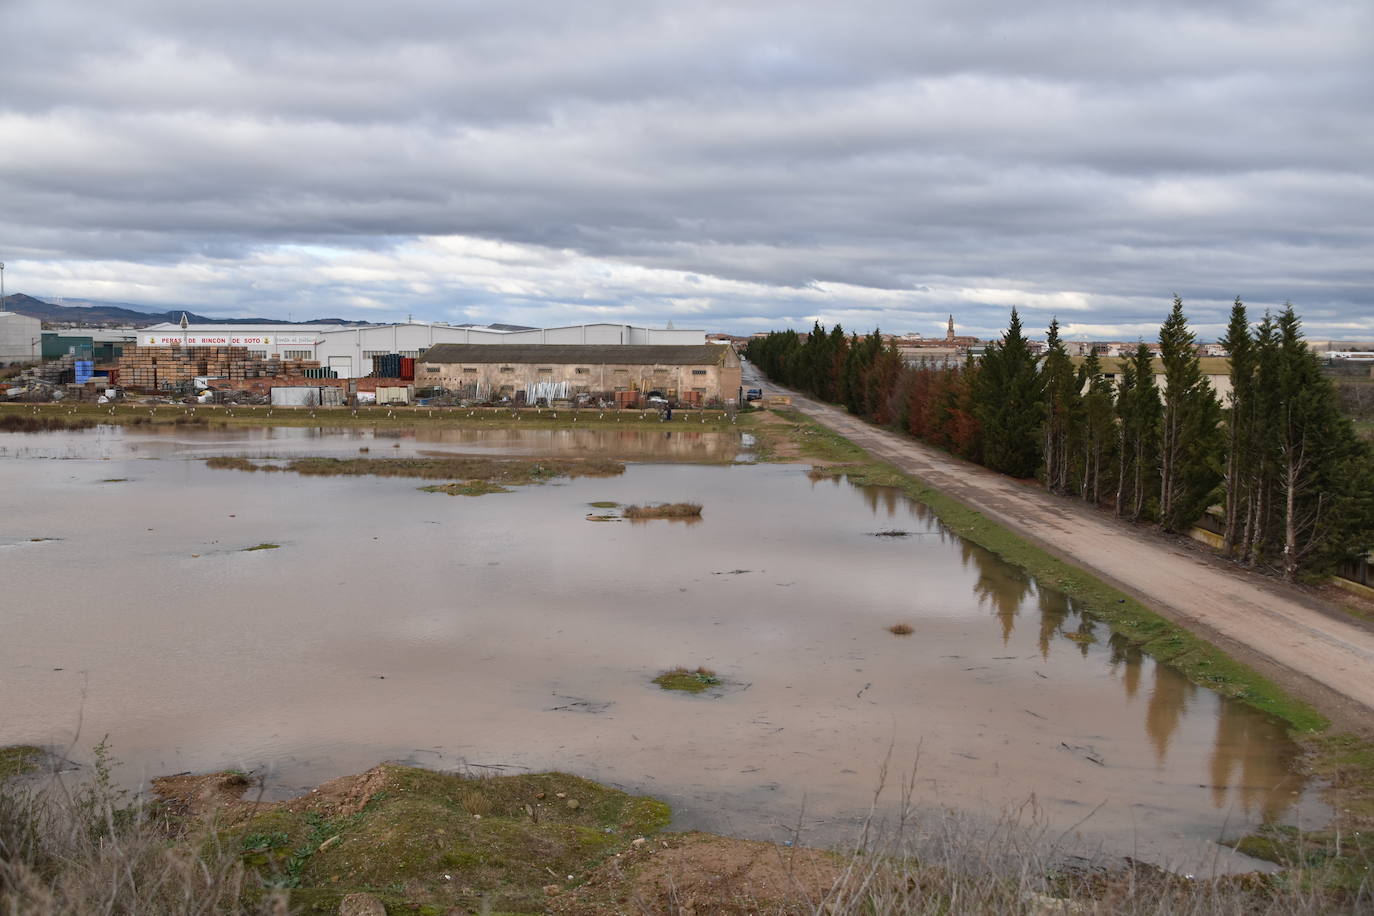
column 474, row 802
column 900, row 629
column 82, row 849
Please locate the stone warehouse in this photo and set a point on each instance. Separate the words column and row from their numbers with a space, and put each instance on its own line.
column 703, row 374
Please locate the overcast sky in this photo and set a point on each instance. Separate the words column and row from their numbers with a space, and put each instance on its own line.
column 728, row 165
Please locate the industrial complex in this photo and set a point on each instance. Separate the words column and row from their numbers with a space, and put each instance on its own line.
column 392, row 363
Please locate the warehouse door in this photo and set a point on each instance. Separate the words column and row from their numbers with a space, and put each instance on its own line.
column 342, row 366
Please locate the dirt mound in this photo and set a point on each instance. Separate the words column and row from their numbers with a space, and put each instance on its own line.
column 222, row 794
column 700, row 873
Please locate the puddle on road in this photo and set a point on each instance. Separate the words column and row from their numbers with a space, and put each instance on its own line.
column 506, row 632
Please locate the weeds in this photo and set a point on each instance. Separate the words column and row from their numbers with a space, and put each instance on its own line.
column 666, row 510
column 29, row 423
column 262, row 546
column 690, row 681
column 900, row 629
column 85, row 848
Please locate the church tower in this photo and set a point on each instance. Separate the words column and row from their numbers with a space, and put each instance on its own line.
column 949, row 333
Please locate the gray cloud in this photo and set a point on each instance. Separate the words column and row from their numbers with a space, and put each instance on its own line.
column 730, row 165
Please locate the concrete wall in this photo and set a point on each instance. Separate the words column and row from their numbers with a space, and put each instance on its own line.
column 712, row 382
column 21, row 339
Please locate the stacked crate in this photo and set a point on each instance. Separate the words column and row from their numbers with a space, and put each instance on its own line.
column 152, row 368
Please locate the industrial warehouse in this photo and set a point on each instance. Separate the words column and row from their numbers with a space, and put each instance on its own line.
column 392, row 364
column 694, row 375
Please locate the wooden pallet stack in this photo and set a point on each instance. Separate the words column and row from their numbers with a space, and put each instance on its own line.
column 151, row 368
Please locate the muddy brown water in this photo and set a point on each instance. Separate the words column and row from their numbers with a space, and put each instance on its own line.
column 508, row 632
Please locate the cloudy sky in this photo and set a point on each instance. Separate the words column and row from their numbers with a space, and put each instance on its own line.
column 728, row 165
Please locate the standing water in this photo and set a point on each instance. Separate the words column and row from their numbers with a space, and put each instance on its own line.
column 510, row 632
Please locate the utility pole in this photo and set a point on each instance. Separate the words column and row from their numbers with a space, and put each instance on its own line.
column 2, row 283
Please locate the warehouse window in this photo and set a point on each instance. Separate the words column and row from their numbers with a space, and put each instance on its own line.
column 413, row 354
column 582, row 370
column 698, row 371
column 432, row 370
column 296, row 354
column 507, row 368
column 258, row 354
column 368, row 354
column 546, row 369
column 659, row 370
column 469, row 371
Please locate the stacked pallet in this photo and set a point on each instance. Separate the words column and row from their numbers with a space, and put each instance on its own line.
column 153, row 368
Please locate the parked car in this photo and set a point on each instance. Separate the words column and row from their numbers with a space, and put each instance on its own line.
column 754, row 394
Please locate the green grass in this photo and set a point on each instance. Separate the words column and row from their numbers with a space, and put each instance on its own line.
column 604, row 504
column 19, row 759
column 690, row 681
column 497, row 839
column 506, row 471
column 263, row 546
column 467, row 488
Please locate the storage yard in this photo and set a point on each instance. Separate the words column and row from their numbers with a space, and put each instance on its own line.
column 199, row 366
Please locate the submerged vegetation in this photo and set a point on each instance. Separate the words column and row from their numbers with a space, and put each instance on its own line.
column 685, row 679
column 28, row 422
column 477, row 475
column 263, row 546
column 665, row 510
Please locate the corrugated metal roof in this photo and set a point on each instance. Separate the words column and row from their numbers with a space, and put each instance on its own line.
column 589, row 354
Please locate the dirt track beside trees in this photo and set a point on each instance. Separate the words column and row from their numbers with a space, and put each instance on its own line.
column 1277, row 628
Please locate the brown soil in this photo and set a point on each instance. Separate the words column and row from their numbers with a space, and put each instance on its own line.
column 697, row 873
column 222, row 795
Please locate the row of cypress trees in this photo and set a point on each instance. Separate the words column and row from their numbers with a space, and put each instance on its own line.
column 1151, row 440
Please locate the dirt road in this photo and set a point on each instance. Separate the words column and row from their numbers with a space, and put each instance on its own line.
column 1276, row 628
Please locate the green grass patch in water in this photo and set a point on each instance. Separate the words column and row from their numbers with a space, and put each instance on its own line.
column 690, row 681
column 19, row 759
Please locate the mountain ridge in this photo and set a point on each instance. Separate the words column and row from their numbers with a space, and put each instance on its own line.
column 108, row 314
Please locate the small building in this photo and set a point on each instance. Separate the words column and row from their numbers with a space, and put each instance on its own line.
column 701, row 374
column 21, row 339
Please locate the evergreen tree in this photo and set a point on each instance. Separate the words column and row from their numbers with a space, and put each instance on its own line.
column 1188, row 442
column 1141, row 419
column 1098, row 428
column 1061, row 388
column 1240, row 349
column 1262, row 451
column 1009, row 404
column 1318, row 455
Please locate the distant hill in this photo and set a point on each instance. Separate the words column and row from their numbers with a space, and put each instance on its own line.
column 106, row 314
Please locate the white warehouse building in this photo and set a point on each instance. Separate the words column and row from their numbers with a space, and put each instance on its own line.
column 21, row 339
column 349, row 350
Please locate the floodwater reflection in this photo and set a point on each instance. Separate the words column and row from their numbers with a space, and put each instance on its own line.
column 398, row 624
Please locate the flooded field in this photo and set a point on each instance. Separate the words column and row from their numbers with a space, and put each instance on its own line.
column 509, row 632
